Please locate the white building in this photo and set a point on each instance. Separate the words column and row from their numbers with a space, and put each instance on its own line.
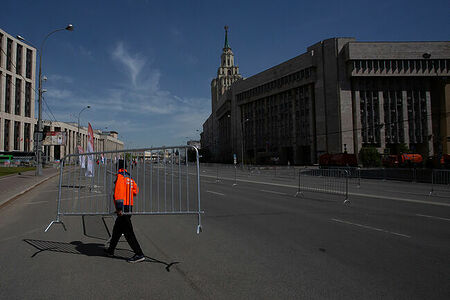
column 17, row 94
column 103, row 140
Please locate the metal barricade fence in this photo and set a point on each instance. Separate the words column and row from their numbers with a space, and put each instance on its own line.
column 440, row 183
column 330, row 181
column 166, row 186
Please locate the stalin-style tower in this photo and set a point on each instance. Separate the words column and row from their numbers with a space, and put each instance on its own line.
column 226, row 74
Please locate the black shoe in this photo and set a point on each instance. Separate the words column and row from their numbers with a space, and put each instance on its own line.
column 109, row 253
column 136, row 258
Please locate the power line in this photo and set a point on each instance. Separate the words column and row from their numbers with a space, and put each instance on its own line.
column 10, row 60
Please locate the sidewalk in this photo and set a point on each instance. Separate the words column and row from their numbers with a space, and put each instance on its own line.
column 15, row 185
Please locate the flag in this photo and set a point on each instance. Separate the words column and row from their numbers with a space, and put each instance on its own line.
column 90, row 148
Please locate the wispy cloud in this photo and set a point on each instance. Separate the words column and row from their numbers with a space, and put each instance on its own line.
column 132, row 63
column 60, row 78
column 137, row 107
column 59, row 94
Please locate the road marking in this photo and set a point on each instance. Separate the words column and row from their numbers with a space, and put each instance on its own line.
column 216, row 193
column 37, row 202
column 372, row 228
column 350, row 193
column 273, row 192
column 433, row 217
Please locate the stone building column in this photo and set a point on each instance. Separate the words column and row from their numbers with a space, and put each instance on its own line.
column 2, row 132
column 429, row 135
column 312, row 139
column 405, row 117
column 381, row 120
column 21, row 136
column 357, row 130
column 11, row 135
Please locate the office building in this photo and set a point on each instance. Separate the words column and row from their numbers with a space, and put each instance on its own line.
column 17, row 95
column 338, row 96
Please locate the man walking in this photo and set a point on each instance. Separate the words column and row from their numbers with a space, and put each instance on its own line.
column 124, row 191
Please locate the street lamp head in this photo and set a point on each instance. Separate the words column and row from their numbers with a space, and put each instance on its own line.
column 69, row 27
column 19, row 37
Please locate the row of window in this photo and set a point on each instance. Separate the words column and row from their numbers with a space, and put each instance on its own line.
column 394, row 102
column 17, row 140
column 401, row 65
column 17, row 65
column 17, row 96
column 276, row 84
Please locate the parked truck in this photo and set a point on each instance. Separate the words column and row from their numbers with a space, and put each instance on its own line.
column 338, row 160
column 402, row 160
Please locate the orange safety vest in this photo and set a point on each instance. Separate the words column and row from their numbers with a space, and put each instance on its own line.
column 126, row 188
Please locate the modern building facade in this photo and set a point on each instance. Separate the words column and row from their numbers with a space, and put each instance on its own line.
column 17, row 94
column 103, row 140
column 338, row 96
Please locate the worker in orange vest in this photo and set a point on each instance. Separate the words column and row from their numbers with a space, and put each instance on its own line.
column 124, row 191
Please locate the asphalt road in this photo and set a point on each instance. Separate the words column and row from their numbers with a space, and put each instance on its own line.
column 258, row 242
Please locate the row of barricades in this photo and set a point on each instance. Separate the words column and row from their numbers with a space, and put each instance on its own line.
column 331, row 181
column 168, row 184
column 335, row 180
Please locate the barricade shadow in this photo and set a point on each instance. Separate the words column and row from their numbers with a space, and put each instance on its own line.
column 88, row 249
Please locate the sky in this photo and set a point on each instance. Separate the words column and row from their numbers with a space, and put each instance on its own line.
column 145, row 67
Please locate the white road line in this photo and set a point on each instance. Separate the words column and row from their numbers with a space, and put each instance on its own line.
column 273, row 192
column 433, row 217
column 216, row 193
column 37, row 202
column 372, row 228
column 350, row 193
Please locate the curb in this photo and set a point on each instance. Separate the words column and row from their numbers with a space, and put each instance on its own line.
column 7, row 201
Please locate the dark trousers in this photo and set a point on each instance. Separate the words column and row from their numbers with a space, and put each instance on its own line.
column 123, row 226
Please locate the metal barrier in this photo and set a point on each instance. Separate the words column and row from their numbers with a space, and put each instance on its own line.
column 330, row 181
column 440, row 182
column 86, row 183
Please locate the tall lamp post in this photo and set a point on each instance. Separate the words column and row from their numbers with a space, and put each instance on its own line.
column 78, row 133
column 41, row 50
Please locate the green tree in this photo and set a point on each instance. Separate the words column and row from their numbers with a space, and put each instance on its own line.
column 370, row 157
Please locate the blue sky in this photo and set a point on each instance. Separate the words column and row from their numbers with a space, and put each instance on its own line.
column 145, row 67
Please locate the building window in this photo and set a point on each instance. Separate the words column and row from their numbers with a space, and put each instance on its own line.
column 18, row 97
column 29, row 63
column 19, row 59
column 8, row 54
column 16, row 135
column 6, row 135
column 8, row 94
column 28, row 100
column 27, row 137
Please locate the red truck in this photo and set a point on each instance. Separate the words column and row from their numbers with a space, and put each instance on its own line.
column 402, row 160
column 338, row 160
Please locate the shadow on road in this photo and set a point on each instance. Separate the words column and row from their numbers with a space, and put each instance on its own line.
column 89, row 249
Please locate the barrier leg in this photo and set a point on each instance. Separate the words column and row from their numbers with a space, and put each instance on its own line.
column 199, row 226
column 56, row 222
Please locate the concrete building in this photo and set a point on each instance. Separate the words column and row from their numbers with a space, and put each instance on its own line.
column 340, row 95
column 17, row 94
column 103, row 140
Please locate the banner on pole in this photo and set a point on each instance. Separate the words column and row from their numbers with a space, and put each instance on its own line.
column 90, row 148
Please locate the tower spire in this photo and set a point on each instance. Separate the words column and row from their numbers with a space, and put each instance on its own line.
column 226, row 46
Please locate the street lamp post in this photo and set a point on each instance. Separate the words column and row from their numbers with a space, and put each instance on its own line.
column 41, row 50
column 78, row 133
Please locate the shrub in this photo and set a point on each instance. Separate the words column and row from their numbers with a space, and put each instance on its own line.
column 370, row 157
